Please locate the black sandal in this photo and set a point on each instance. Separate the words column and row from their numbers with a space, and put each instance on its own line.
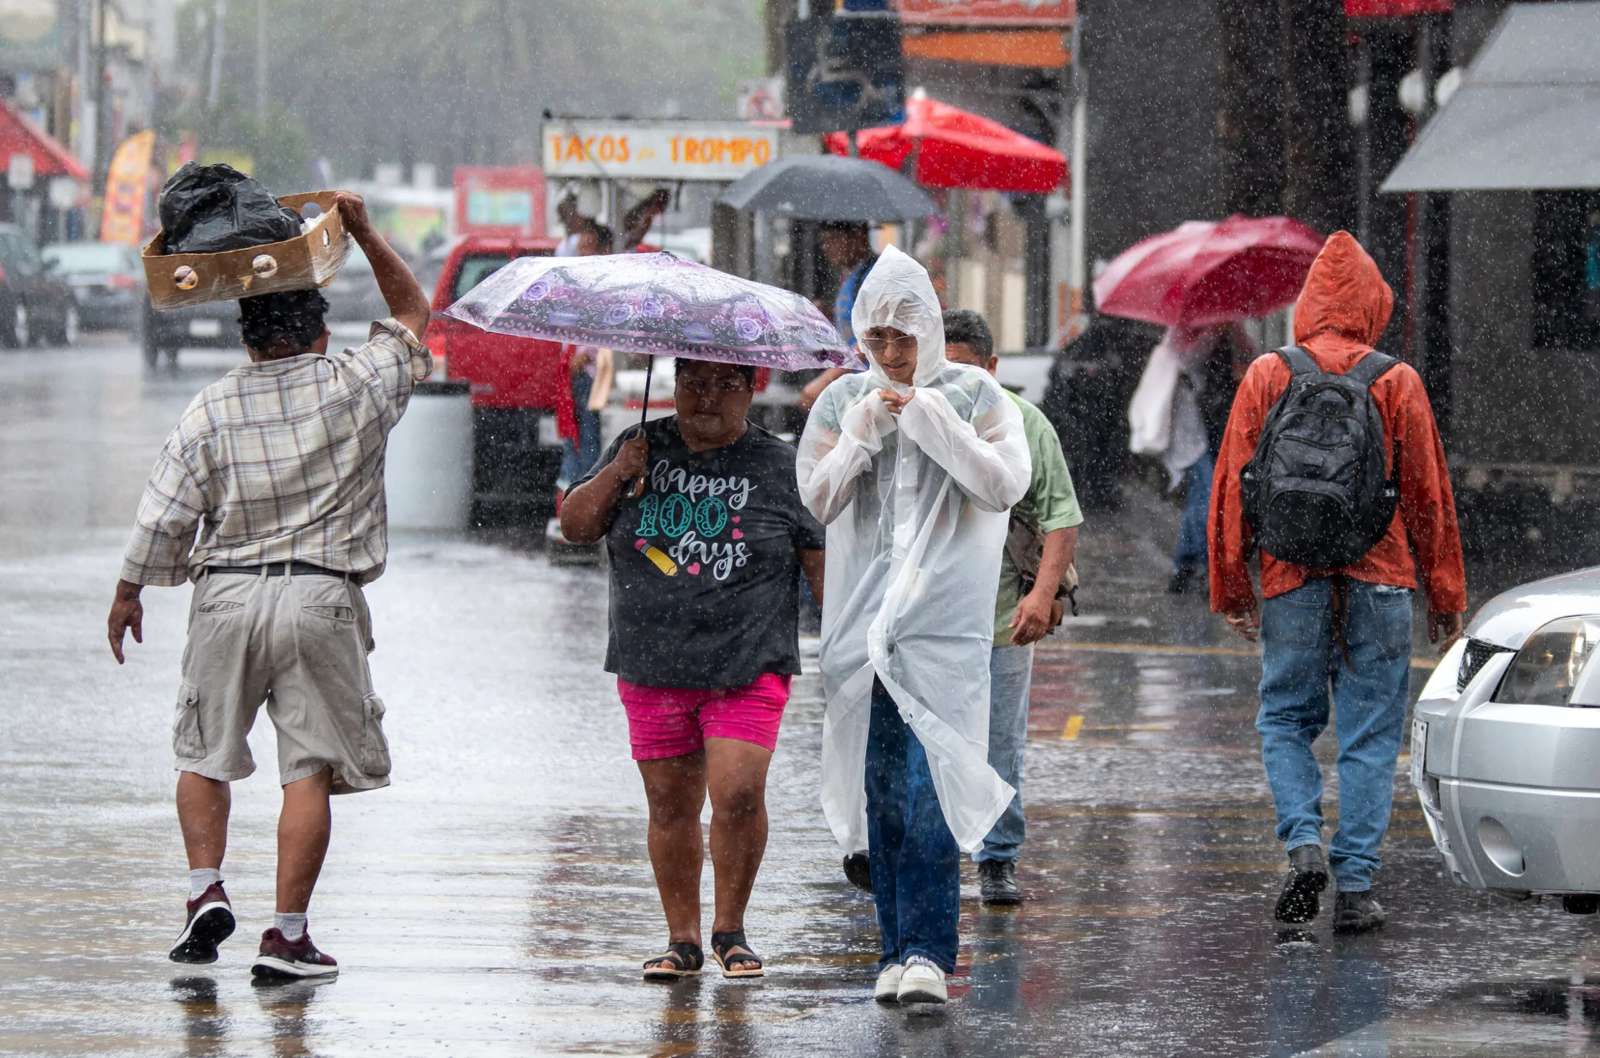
column 681, row 959
column 744, row 963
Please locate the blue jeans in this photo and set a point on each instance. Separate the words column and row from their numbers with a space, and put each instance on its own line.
column 579, row 456
column 1010, row 675
column 915, row 861
column 1301, row 663
column 1191, row 550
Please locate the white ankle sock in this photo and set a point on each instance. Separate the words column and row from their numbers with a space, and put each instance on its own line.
column 293, row 927
column 203, row 879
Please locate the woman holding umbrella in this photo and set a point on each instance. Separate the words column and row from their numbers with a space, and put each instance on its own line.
column 705, row 561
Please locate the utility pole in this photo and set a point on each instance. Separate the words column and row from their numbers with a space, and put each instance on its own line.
column 1077, row 158
column 88, row 93
column 261, row 67
column 102, row 116
column 219, row 15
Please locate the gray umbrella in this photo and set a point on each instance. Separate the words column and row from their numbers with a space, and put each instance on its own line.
column 827, row 187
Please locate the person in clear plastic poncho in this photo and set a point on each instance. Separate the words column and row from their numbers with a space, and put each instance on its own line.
column 912, row 466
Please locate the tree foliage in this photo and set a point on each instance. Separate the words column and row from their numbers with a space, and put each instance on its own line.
column 467, row 82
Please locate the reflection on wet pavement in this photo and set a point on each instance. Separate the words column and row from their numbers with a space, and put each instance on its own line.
column 497, row 900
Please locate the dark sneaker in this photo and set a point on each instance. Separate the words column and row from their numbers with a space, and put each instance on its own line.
column 858, row 869
column 286, row 960
column 997, row 881
column 1308, row 877
column 210, row 922
column 1357, row 913
column 1183, row 581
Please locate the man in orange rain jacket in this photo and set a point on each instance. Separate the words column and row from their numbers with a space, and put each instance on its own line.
column 1344, row 629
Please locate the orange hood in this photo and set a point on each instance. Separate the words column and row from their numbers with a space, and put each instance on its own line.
column 1344, row 295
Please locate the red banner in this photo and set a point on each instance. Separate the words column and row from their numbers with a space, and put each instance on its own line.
column 987, row 12
column 1396, row 8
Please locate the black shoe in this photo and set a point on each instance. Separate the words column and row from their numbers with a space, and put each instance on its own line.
column 1182, row 581
column 998, row 883
column 1357, row 913
column 1308, row 876
column 858, row 869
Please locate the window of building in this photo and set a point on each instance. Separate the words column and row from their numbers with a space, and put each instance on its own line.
column 1566, row 270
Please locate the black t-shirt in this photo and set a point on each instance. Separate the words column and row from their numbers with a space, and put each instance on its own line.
column 704, row 572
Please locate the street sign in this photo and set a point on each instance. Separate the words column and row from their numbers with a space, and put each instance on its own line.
column 63, row 192
column 845, row 73
column 655, row 150
column 500, row 200
column 19, row 171
column 761, row 99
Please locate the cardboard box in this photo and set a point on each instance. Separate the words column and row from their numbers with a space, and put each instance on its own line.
column 308, row 260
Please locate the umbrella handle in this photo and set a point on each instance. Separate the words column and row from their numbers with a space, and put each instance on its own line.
column 644, row 412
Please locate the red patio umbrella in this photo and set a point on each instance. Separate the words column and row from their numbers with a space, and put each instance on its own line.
column 939, row 145
column 1205, row 272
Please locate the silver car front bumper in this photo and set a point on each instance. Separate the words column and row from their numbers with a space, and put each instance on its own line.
column 1511, row 793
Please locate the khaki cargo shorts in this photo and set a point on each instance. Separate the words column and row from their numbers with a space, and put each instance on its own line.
column 298, row 644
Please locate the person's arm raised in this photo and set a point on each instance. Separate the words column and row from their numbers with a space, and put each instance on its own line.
column 407, row 301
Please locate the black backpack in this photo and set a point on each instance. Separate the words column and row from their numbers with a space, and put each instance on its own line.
column 1316, row 492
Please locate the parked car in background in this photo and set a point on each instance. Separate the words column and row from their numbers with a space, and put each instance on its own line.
column 354, row 293
column 209, row 325
column 107, row 281
column 1505, row 745
column 515, row 384
column 36, row 304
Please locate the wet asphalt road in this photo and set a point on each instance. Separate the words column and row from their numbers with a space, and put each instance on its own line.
column 497, row 899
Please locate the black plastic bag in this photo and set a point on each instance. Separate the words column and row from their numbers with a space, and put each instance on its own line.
column 211, row 208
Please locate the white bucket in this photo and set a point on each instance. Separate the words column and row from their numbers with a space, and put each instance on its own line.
column 428, row 468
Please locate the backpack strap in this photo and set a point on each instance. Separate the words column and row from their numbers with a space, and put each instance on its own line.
column 1370, row 368
column 1299, row 361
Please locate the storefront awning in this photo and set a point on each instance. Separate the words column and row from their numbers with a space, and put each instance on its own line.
column 1526, row 113
column 18, row 135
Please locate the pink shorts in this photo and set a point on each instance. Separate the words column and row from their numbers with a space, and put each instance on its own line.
column 676, row 721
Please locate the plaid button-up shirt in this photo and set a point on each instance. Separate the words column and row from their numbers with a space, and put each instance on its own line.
column 280, row 461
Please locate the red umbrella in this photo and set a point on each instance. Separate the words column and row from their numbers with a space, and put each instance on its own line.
column 946, row 146
column 1206, row 272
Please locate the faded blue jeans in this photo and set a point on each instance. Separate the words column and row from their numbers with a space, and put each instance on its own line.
column 1191, row 550
column 1301, row 664
column 579, row 455
column 915, row 861
column 1010, row 677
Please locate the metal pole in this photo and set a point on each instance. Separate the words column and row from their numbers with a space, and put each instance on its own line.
column 88, row 95
column 1417, row 306
column 1078, row 276
column 261, row 66
column 1364, row 146
column 102, row 102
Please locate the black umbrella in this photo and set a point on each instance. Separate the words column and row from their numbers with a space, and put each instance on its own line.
column 825, row 187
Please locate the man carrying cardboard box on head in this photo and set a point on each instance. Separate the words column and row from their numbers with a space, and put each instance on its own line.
column 279, row 464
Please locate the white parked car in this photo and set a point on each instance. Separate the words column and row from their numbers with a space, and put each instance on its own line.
column 1505, row 745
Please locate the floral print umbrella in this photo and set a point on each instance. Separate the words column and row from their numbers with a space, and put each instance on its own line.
column 655, row 303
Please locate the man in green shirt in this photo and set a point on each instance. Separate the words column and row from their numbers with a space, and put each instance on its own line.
column 1022, row 617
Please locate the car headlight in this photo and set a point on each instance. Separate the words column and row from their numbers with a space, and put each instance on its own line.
column 1547, row 667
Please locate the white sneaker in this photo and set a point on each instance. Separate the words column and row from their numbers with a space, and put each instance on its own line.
column 922, row 982
column 887, row 990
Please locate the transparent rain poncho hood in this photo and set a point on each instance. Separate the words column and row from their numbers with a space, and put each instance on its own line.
column 915, row 506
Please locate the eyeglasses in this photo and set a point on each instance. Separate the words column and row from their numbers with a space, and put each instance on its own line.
column 700, row 387
column 878, row 345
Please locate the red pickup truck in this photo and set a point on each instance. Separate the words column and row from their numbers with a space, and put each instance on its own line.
column 514, row 383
